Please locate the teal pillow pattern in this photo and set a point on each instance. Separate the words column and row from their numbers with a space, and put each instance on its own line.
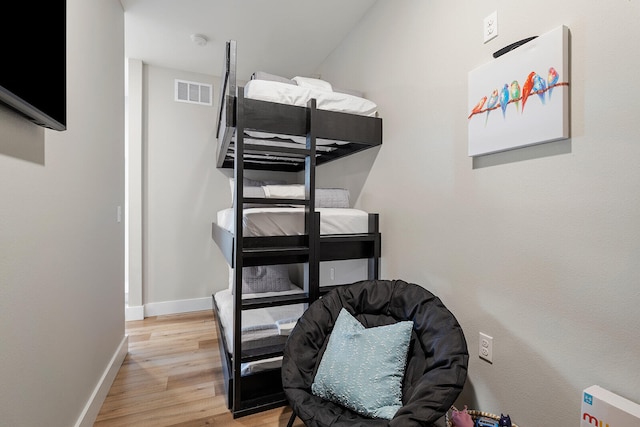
column 362, row 368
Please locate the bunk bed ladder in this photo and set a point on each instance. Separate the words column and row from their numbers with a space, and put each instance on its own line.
column 238, row 202
column 312, row 219
column 244, row 253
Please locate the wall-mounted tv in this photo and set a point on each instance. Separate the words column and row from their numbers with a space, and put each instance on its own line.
column 33, row 77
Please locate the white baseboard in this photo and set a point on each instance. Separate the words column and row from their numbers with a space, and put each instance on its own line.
column 92, row 408
column 133, row 313
column 178, row 306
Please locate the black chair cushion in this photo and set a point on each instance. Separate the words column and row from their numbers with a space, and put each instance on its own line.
column 436, row 365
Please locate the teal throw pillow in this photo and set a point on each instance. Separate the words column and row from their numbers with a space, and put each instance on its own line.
column 362, row 368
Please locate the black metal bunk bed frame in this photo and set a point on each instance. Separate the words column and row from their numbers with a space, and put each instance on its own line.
column 263, row 390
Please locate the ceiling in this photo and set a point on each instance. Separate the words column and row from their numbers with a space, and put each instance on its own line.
column 284, row 37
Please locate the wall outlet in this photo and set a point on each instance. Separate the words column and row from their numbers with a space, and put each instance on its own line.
column 485, row 347
column 490, row 28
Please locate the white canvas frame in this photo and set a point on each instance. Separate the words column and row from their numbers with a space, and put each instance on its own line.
column 492, row 129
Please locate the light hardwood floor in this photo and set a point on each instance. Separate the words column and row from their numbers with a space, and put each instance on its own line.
column 172, row 377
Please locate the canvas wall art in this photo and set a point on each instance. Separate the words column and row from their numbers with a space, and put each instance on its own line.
column 522, row 97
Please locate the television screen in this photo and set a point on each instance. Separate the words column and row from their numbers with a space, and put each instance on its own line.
column 33, row 70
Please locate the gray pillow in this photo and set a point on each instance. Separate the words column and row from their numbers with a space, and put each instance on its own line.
column 264, row 278
column 261, row 75
column 332, row 198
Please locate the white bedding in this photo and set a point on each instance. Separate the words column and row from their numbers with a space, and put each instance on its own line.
column 283, row 93
column 257, row 325
column 290, row 221
column 261, row 324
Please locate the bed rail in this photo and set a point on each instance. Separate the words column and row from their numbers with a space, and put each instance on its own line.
column 333, row 247
column 361, row 132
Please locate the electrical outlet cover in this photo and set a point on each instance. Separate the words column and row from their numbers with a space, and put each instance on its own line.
column 485, row 347
column 490, row 27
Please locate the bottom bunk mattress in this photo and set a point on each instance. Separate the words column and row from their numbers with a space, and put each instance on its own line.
column 279, row 221
column 260, row 327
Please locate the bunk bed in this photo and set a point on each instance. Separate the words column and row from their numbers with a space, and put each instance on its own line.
column 259, row 128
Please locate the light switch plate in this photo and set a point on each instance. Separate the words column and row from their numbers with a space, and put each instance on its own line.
column 490, row 28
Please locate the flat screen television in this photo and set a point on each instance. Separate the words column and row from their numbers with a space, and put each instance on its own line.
column 33, row 77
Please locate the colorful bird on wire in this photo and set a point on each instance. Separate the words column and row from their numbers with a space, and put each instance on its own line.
column 491, row 104
column 539, row 86
column 504, row 99
column 527, row 88
column 478, row 107
column 515, row 94
column 552, row 79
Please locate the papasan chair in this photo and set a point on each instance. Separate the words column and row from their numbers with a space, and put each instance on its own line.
column 436, row 359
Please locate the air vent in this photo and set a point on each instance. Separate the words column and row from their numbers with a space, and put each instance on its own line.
column 194, row 92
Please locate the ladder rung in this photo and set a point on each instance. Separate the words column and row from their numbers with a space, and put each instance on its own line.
column 297, row 240
column 273, row 201
column 273, row 149
column 274, row 301
column 262, row 353
column 274, row 252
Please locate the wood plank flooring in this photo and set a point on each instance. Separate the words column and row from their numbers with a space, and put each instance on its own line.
column 172, row 377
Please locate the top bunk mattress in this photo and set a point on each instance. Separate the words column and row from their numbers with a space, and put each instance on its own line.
column 290, row 221
column 274, row 112
column 284, row 93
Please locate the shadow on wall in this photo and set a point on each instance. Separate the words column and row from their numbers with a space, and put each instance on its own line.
column 521, row 382
column 19, row 138
column 549, row 149
column 350, row 172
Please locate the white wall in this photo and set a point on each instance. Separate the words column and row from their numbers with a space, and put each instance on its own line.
column 182, row 192
column 538, row 247
column 61, row 248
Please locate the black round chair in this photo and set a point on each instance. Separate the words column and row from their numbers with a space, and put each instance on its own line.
column 436, row 368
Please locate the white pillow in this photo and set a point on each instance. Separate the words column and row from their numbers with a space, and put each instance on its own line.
column 261, row 75
column 252, row 187
column 290, row 191
column 352, row 92
column 312, row 83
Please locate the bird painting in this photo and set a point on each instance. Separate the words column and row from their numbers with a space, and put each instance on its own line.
column 515, row 94
column 478, row 107
column 539, row 86
column 552, row 79
column 523, row 77
column 491, row 104
column 527, row 88
column 504, row 99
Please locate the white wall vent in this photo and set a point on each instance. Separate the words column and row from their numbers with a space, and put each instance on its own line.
column 193, row 92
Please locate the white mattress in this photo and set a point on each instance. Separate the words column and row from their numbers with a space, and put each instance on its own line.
column 257, row 325
column 283, row 93
column 290, row 221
